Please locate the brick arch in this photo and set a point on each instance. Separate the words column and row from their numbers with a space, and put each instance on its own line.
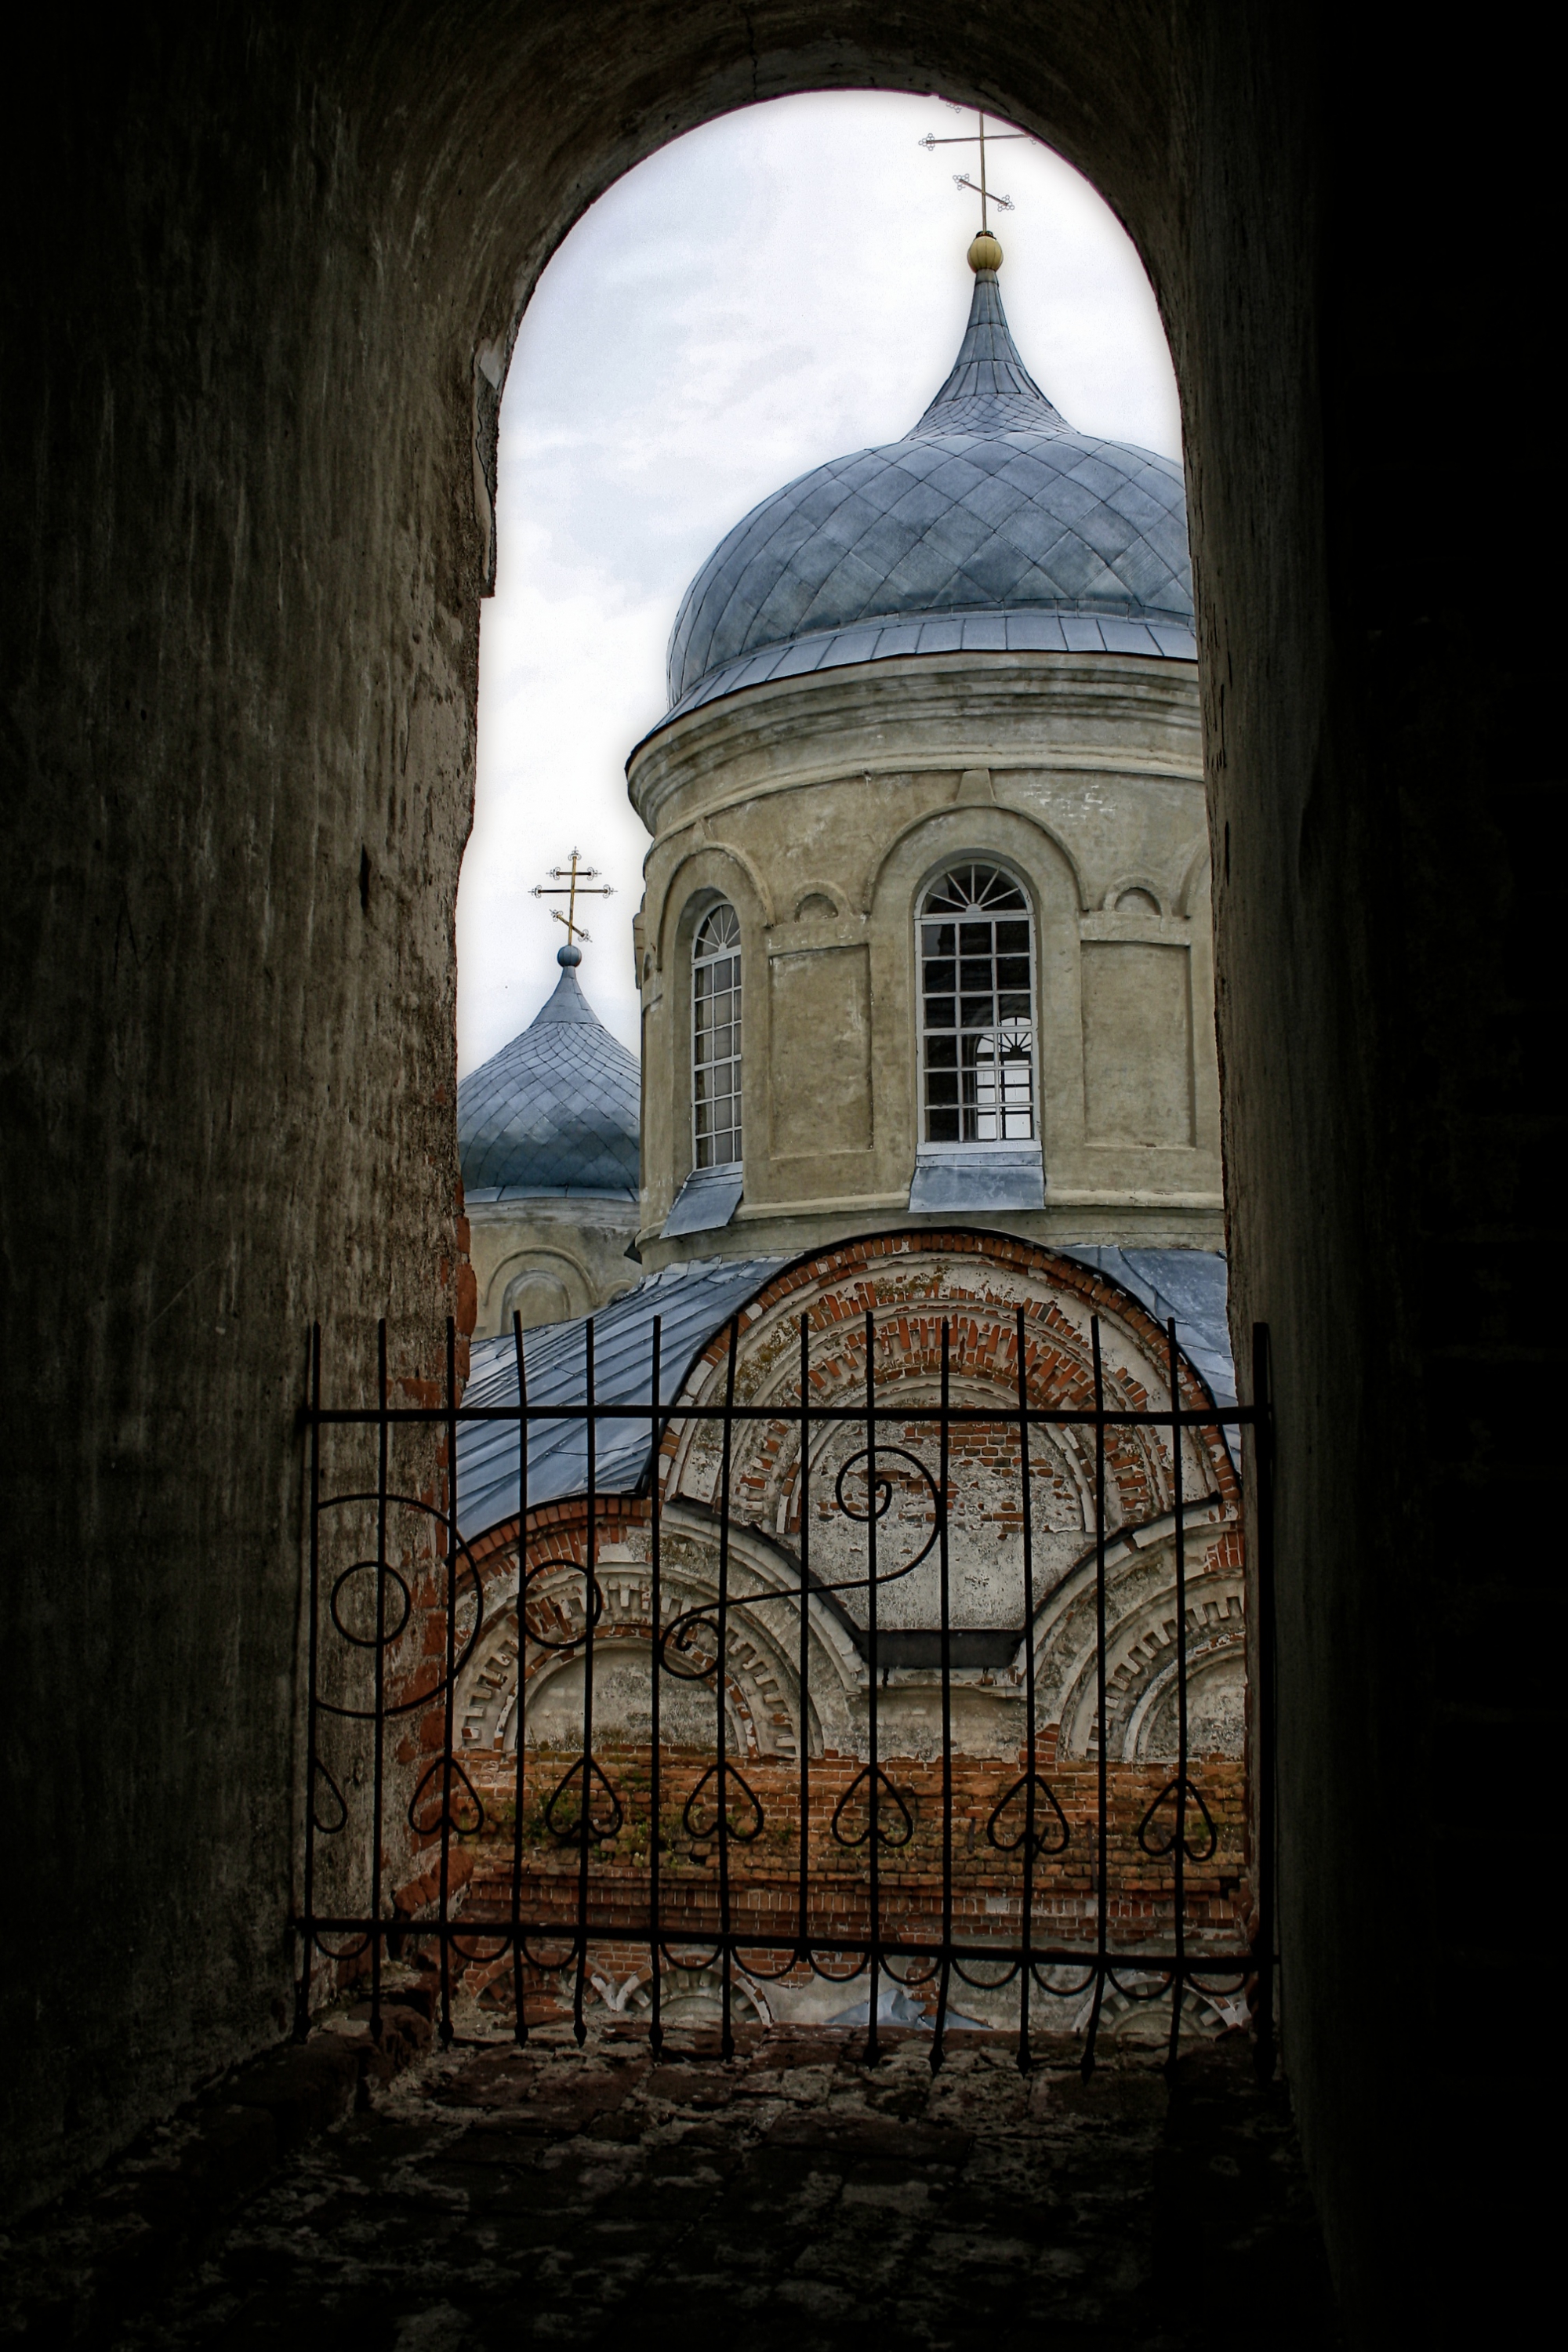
column 910, row 1282
column 761, row 1689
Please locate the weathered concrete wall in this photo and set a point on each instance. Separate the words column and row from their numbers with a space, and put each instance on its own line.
column 550, row 1258
column 252, row 256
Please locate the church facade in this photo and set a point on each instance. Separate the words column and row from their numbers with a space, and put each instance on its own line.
column 933, row 765
column 547, row 1137
column 929, row 1101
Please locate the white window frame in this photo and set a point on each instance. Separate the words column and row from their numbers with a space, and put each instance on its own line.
column 1020, row 1125
column 706, row 962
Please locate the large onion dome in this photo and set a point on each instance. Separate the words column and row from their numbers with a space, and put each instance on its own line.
column 992, row 526
column 556, row 1110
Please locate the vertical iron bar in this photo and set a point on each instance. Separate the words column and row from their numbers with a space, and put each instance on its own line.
column 1101, row 1834
column 1179, row 1851
column 656, row 2024
column 449, row 1761
column 938, row 2046
column 1026, row 1966
column 875, row 1836
column 726, row 2036
column 1264, row 1714
column 312, row 1638
column 585, row 1818
column 519, row 2027
column 379, row 1718
column 802, row 1899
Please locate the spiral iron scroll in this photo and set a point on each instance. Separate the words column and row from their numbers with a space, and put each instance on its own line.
column 465, row 1584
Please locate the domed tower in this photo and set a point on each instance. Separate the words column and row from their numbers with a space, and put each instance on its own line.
column 547, row 1139
column 927, row 929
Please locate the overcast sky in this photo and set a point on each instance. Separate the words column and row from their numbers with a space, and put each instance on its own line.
column 778, row 288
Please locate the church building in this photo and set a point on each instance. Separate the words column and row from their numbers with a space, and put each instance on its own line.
column 927, row 924
column 928, row 1097
column 547, row 1139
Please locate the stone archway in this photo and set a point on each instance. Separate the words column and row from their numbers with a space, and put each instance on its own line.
column 269, row 269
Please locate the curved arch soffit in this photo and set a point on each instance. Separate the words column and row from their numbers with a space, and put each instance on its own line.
column 706, row 1362
column 1139, row 881
column 558, row 1263
column 761, row 1664
column 972, row 830
column 718, row 854
column 834, row 897
column 1197, row 881
column 1073, row 95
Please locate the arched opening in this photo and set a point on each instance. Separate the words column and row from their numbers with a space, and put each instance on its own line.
column 245, row 742
column 977, row 1026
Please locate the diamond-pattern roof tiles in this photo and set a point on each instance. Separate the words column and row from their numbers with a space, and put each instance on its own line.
column 992, row 500
column 556, row 1110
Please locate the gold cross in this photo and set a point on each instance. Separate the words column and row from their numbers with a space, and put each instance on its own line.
column 573, row 880
column 981, row 137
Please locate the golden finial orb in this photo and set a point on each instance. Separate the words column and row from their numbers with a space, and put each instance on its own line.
column 984, row 253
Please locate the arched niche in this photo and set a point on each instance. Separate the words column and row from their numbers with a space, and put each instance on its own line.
column 1024, row 847
column 342, row 219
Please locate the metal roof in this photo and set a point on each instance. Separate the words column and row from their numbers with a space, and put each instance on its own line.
column 991, row 507
column 693, row 1298
column 948, row 633
column 557, row 1111
column 1191, row 1286
column 694, row 1301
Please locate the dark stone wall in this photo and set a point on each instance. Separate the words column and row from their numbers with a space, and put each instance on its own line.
column 252, row 256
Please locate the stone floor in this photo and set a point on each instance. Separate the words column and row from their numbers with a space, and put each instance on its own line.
column 788, row 2198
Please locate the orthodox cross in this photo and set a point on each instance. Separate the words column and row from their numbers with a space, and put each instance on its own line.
column 571, row 883
column 979, row 138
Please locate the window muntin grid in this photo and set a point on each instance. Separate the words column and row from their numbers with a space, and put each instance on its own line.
column 977, row 1029
column 716, row 1039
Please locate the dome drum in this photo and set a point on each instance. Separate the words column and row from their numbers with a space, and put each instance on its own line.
column 968, row 650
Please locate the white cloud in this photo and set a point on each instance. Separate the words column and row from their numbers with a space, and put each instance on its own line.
column 779, row 288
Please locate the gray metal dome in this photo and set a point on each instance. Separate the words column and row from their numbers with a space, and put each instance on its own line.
column 990, row 524
column 556, row 1110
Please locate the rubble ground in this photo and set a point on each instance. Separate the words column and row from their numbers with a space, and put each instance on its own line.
column 488, row 2197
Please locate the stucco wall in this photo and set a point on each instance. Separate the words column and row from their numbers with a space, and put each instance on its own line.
column 822, row 808
column 574, row 1248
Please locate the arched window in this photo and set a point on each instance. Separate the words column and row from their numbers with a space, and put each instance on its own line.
column 716, row 1039
column 977, row 980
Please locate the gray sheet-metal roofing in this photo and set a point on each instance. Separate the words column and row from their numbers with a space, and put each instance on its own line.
column 951, row 1179
column 693, row 1300
column 557, row 1111
column 1191, row 1286
column 992, row 505
column 948, row 633
column 706, row 1201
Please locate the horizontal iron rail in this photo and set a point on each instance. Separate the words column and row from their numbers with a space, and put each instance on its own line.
column 602, row 1913
column 736, row 1939
column 1241, row 1416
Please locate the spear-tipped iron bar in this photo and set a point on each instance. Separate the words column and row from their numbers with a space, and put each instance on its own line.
column 655, row 1604
column 1101, row 1892
column 383, row 1931
column 519, row 2025
column 448, row 1772
column 726, row 2037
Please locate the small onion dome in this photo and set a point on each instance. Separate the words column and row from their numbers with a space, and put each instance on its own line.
column 986, row 253
column 556, row 1110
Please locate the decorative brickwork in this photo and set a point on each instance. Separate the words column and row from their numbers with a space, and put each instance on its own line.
column 796, row 1699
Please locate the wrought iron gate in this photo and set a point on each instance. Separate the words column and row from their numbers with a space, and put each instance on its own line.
column 396, row 1614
